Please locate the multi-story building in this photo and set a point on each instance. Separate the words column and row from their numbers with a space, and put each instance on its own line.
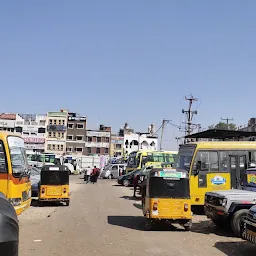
column 76, row 134
column 56, row 134
column 116, row 146
column 7, row 122
column 32, row 128
column 98, row 141
column 139, row 141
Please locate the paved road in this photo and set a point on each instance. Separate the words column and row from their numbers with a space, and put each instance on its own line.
column 103, row 219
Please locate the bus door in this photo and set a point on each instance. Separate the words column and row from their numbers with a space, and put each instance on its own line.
column 3, row 170
column 237, row 166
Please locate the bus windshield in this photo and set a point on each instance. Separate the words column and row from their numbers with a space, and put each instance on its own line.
column 160, row 157
column 184, row 158
column 18, row 155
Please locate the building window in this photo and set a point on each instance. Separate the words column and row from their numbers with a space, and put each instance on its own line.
column 55, row 121
column 59, row 122
column 49, row 134
column 70, row 126
column 58, row 134
column 69, row 149
column 61, row 147
column 89, row 150
column 62, row 135
column 107, row 139
column 50, row 121
column 98, row 139
column 79, row 137
column 25, row 133
column 18, row 129
column 54, row 134
column 89, row 139
column 79, row 149
column 41, row 130
column 63, row 122
column 80, row 126
column 49, row 146
column 70, row 137
column 53, row 147
column 118, row 146
column 106, row 150
column 97, row 150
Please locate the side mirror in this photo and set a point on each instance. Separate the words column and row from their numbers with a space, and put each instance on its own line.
column 197, row 168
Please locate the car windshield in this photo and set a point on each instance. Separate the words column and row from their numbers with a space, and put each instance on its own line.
column 184, row 158
column 249, row 179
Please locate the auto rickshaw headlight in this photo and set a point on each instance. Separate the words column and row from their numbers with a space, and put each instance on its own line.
column 15, row 201
column 185, row 207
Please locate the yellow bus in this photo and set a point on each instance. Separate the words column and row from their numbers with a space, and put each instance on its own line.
column 217, row 165
column 14, row 171
column 138, row 159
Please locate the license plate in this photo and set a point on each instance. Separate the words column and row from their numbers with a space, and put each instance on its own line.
column 53, row 191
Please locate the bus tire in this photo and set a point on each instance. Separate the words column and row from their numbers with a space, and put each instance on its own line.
column 236, row 221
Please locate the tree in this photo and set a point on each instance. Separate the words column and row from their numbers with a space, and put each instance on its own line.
column 223, row 126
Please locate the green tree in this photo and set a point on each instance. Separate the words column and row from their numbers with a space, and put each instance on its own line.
column 223, row 126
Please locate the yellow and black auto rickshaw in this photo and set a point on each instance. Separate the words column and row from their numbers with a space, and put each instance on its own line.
column 166, row 198
column 54, row 184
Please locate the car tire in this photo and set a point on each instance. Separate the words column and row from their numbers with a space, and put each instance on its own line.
column 236, row 221
column 126, row 183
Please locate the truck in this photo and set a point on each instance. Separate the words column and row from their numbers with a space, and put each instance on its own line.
column 230, row 207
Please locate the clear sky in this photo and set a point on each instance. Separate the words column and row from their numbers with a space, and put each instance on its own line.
column 129, row 61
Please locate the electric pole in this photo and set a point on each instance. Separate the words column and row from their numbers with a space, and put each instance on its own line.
column 189, row 114
column 162, row 133
column 227, row 120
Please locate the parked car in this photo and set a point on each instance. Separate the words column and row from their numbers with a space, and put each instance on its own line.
column 248, row 226
column 35, row 174
column 232, row 206
column 127, row 179
column 113, row 171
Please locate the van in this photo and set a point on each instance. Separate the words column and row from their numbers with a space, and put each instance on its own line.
column 113, row 171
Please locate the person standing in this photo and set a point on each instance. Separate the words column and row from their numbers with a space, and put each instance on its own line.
column 94, row 175
column 87, row 174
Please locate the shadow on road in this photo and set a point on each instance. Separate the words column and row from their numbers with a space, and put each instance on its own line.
column 131, row 222
column 36, row 203
column 236, row 248
column 138, row 223
column 131, row 198
column 207, row 227
column 138, row 206
column 117, row 185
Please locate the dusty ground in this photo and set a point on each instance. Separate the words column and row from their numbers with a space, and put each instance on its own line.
column 103, row 219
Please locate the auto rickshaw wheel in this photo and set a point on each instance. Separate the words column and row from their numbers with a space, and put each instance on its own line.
column 67, row 203
column 187, row 228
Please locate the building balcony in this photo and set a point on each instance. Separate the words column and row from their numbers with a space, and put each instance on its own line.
column 58, row 128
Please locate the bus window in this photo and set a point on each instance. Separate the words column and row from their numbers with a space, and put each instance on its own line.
column 3, row 165
column 209, row 161
column 19, row 161
column 223, row 156
column 184, row 158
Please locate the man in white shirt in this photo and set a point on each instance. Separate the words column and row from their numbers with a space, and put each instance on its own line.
column 87, row 174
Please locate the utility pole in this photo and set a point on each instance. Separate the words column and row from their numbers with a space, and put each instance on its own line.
column 227, row 119
column 162, row 133
column 189, row 114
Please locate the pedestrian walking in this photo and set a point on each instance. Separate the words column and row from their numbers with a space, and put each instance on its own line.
column 94, row 175
column 87, row 174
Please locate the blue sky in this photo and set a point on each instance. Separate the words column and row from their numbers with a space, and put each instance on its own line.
column 129, row 61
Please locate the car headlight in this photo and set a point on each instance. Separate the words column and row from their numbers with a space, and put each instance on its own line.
column 15, row 201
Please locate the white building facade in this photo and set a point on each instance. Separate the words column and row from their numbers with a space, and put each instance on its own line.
column 32, row 129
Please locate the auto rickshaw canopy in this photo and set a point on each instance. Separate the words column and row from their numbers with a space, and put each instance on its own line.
column 54, row 175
